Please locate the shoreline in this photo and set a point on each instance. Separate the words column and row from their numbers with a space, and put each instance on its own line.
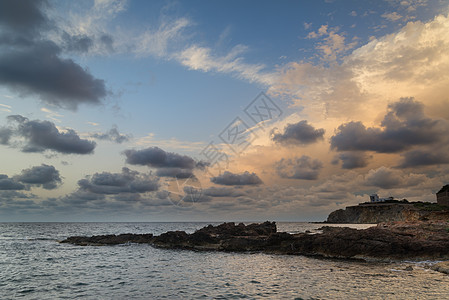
column 417, row 241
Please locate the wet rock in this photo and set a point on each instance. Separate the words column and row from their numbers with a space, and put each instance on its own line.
column 102, row 240
column 171, row 239
column 418, row 240
column 230, row 229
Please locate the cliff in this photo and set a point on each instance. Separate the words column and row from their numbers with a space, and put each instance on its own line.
column 388, row 212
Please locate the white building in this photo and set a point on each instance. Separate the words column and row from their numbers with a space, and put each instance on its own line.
column 375, row 198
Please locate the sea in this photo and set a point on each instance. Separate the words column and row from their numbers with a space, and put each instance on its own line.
column 34, row 265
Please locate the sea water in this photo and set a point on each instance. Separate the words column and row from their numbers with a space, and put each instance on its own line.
column 33, row 265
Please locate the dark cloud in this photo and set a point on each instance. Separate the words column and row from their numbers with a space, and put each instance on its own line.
column 44, row 175
column 108, row 42
column 112, row 135
column 428, row 157
column 157, row 158
column 116, row 183
column 11, row 195
column 162, row 194
column 353, row 160
column 39, row 70
column 383, row 178
column 404, row 126
column 300, row 133
column 43, row 135
column 168, row 164
column 302, row 167
column 30, row 64
column 174, row 172
column 77, row 43
column 24, row 16
column 196, row 195
column 228, row 178
column 81, row 197
column 10, row 184
column 5, row 135
column 222, row 192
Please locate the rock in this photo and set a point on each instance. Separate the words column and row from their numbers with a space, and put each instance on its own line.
column 408, row 268
column 171, row 239
column 398, row 240
column 442, row 267
column 102, row 240
column 373, row 213
column 230, row 229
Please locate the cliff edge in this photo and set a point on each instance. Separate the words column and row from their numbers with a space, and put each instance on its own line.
column 374, row 213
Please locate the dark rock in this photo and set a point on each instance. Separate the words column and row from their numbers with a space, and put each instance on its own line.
column 420, row 240
column 171, row 239
column 230, row 229
column 101, row 240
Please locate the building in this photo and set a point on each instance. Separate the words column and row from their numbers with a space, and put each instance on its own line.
column 375, row 198
column 443, row 195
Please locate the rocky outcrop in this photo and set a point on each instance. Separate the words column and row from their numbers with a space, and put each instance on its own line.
column 421, row 240
column 384, row 212
column 385, row 241
column 103, row 240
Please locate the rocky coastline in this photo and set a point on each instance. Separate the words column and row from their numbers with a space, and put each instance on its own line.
column 387, row 241
column 374, row 213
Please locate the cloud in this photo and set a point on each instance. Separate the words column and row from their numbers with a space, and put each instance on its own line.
column 332, row 44
column 245, row 178
column 51, row 114
column 425, row 157
column 393, row 17
column 196, row 195
column 127, row 181
column 222, row 192
column 167, row 163
column 12, row 195
column 10, row 184
column 404, row 126
column 108, row 42
column 352, row 160
column 43, row 135
column 411, row 5
column 300, row 133
column 22, row 16
column 44, row 175
column 157, row 42
column 302, row 167
column 167, row 41
column 39, row 70
column 202, row 59
column 112, row 135
column 5, row 135
column 4, row 107
column 30, row 64
column 158, row 158
column 387, row 178
column 80, row 43
column 412, row 61
column 174, row 172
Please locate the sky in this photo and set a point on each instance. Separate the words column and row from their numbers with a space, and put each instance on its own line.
column 115, row 110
